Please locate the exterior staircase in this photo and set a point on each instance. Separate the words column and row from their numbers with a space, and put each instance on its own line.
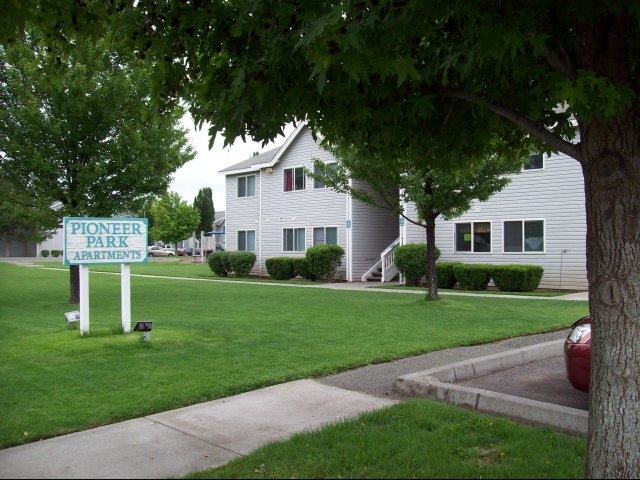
column 384, row 270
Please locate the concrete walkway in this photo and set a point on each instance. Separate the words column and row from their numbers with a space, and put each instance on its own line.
column 194, row 438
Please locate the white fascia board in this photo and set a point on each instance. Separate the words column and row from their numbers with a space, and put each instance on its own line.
column 285, row 145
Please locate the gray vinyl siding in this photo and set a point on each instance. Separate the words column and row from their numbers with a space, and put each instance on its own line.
column 242, row 213
column 374, row 229
column 308, row 208
column 555, row 195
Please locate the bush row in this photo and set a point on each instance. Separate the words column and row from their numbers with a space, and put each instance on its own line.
column 476, row 276
column 320, row 261
column 54, row 253
column 411, row 260
column 223, row 263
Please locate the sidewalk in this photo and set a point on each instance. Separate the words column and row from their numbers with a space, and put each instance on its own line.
column 177, row 442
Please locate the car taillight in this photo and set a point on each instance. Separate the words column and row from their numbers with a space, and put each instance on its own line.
column 580, row 333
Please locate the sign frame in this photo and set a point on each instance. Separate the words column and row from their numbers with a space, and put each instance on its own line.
column 105, row 240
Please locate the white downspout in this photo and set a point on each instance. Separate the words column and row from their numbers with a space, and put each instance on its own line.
column 259, row 239
column 348, row 229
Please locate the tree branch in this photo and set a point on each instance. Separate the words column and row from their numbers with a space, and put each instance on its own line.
column 556, row 143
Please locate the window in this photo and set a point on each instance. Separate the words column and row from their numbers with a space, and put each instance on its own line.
column 294, row 179
column 293, row 240
column 247, row 186
column 535, row 162
column 316, row 170
column 325, row 236
column 473, row 237
column 524, row 236
column 247, row 240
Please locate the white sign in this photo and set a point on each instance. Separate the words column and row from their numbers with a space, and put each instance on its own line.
column 89, row 240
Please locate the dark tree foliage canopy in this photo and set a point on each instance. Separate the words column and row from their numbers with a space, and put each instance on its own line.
column 383, row 72
column 203, row 203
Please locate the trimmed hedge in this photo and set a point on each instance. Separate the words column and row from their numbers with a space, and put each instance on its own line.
column 301, row 268
column 215, row 264
column 446, row 276
column 241, row 263
column 323, row 260
column 223, row 263
column 411, row 260
column 516, row 277
column 44, row 253
column 224, row 258
column 473, row 276
column 56, row 253
column 280, row 268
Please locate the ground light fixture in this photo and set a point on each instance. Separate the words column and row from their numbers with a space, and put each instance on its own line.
column 72, row 317
column 144, row 326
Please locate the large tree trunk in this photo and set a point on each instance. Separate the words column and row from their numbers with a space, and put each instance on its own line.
column 611, row 166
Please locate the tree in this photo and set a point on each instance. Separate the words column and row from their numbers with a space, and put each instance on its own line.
column 204, row 204
column 567, row 73
column 85, row 138
column 174, row 219
column 431, row 190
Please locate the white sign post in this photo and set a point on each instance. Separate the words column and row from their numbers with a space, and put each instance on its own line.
column 89, row 240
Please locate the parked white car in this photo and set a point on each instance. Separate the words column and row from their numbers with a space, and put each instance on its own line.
column 158, row 251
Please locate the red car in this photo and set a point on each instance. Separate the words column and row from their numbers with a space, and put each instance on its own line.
column 577, row 354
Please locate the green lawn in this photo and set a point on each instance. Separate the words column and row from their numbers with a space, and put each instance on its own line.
column 213, row 339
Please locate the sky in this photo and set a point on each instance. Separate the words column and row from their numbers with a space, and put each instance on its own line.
column 202, row 171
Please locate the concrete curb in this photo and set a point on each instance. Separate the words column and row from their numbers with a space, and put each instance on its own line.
column 439, row 384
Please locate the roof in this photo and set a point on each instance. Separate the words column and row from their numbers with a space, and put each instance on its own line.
column 266, row 159
column 253, row 163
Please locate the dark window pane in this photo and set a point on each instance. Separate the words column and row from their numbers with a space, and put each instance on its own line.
column 299, row 179
column 482, row 237
column 513, row 236
column 534, row 236
column 463, row 237
column 535, row 162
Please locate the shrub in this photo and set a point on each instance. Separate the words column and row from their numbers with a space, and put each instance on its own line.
column 323, row 260
column 301, row 268
column 241, row 263
column 224, row 259
column 56, row 253
column 473, row 276
column 446, row 276
column 215, row 264
column 517, row 278
column 44, row 253
column 411, row 260
column 280, row 268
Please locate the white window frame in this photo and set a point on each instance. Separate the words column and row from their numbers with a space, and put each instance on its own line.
column 543, row 157
column 472, row 250
column 293, row 185
column 246, row 186
column 295, row 231
column 523, row 250
column 318, row 184
column 246, row 240
column 324, row 235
